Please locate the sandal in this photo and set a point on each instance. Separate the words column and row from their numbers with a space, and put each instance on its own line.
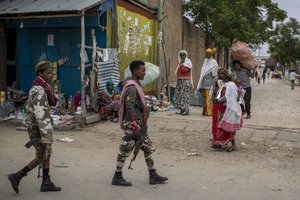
column 186, row 112
column 231, row 149
column 215, row 146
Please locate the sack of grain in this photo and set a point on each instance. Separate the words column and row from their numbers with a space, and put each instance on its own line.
column 241, row 51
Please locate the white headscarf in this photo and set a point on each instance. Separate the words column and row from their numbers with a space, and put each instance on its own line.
column 209, row 65
column 187, row 63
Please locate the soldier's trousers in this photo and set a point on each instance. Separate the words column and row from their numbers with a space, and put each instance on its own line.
column 34, row 133
column 127, row 147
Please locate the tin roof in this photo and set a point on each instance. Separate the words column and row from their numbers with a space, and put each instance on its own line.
column 13, row 7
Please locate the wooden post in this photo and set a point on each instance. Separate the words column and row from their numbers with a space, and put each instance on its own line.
column 3, row 57
column 94, row 86
column 159, row 42
column 82, row 54
column 168, row 81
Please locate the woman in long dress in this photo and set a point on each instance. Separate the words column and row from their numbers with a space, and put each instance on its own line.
column 184, row 83
column 229, row 114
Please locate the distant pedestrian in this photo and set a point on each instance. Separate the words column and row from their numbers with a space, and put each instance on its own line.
column 268, row 72
column 292, row 77
column 184, row 83
column 244, row 76
column 208, row 72
column 258, row 79
column 263, row 77
column 256, row 76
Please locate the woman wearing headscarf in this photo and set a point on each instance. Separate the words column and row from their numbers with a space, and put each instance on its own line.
column 229, row 112
column 118, row 90
column 208, row 72
column 108, row 105
column 183, row 73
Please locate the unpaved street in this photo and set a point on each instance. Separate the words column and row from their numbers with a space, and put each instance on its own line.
column 84, row 168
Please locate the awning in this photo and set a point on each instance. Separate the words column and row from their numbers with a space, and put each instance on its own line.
column 36, row 7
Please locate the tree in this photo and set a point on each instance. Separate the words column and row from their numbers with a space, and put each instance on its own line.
column 284, row 46
column 223, row 20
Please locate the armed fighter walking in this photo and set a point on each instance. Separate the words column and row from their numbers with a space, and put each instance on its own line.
column 133, row 116
column 40, row 128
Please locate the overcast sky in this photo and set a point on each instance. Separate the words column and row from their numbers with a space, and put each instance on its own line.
column 292, row 7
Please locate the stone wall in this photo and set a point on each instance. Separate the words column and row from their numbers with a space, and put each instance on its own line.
column 172, row 37
column 193, row 42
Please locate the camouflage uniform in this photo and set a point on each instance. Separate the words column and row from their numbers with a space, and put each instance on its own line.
column 39, row 122
column 132, row 101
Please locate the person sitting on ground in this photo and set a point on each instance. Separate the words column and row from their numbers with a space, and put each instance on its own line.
column 110, row 106
column 118, row 90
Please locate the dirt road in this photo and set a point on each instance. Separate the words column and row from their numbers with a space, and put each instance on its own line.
column 84, row 168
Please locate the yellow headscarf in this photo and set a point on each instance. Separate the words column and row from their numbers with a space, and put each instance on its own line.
column 211, row 50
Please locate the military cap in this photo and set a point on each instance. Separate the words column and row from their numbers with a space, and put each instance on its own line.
column 42, row 65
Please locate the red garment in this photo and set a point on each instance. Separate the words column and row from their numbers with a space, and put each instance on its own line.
column 77, row 100
column 183, row 72
column 215, row 110
column 220, row 136
column 38, row 81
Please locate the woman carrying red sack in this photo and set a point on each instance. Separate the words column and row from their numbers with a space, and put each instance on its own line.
column 183, row 73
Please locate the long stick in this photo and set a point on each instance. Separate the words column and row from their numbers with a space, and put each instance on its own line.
column 83, row 107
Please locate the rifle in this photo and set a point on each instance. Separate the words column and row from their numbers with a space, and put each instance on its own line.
column 142, row 133
column 40, row 156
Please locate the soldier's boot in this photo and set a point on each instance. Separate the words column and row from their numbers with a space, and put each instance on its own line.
column 48, row 186
column 119, row 180
column 154, row 178
column 15, row 180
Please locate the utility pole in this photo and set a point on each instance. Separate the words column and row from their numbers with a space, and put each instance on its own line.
column 82, row 65
column 159, row 43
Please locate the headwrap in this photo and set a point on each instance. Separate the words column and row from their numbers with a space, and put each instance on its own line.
column 118, row 88
column 183, row 52
column 109, row 91
column 211, row 50
column 187, row 63
column 42, row 65
column 226, row 73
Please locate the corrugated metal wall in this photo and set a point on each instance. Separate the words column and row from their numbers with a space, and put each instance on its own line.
column 32, row 41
